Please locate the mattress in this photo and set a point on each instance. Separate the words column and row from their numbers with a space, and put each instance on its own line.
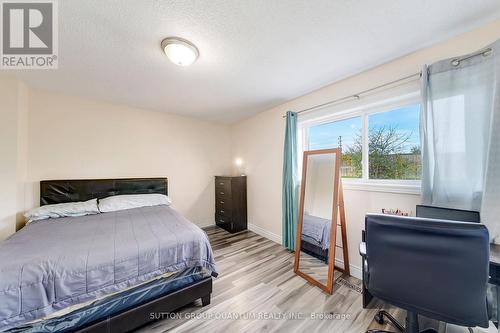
column 311, row 241
column 317, row 229
column 52, row 264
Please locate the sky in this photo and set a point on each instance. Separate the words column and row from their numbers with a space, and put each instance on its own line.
column 326, row 135
column 406, row 119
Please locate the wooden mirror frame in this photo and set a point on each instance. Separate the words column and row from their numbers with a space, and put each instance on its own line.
column 337, row 207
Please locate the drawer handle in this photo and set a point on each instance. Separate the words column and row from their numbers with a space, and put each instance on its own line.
column 222, row 202
column 222, row 193
column 222, row 212
column 221, row 183
column 222, row 221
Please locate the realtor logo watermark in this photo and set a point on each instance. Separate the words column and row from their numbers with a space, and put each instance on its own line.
column 29, row 34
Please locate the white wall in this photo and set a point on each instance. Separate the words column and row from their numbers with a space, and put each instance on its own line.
column 8, row 153
column 22, row 153
column 258, row 141
column 50, row 136
column 318, row 195
column 70, row 137
column 13, row 126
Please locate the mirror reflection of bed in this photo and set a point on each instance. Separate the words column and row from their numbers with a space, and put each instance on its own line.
column 320, row 181
column 317, row 217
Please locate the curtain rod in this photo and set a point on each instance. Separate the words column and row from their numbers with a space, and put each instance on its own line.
column 357, row 96
column 455, row 62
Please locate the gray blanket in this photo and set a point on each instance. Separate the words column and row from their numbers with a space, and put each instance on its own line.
column 55, row 263
column 317, row 228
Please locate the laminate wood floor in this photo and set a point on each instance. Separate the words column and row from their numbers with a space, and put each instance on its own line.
column 315, row 268
column 257, row 291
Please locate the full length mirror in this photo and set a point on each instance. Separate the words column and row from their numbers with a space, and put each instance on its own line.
column 319, row 212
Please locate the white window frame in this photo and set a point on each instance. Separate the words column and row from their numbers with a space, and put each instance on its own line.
column 364, row 111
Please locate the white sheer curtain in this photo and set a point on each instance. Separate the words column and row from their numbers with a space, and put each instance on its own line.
column 460, row 132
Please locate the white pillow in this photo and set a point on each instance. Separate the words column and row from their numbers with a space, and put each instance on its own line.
column 80, row 208
column 128, row 201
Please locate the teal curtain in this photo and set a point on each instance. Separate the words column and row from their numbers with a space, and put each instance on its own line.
column 290, row 182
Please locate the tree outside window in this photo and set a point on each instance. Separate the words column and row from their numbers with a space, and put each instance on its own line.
column 393, row 144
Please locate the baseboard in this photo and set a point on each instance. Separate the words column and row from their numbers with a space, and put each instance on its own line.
column 206, row 225
column 264, row 233
column 355, row 270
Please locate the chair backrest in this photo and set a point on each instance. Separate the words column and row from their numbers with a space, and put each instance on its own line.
column 436, row 268
column 441, row 213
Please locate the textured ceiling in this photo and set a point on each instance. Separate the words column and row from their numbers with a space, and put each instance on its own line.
column 254, row 54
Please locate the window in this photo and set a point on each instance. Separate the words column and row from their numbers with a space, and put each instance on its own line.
column 346, row 134
column 394, row 144
column 377, row 144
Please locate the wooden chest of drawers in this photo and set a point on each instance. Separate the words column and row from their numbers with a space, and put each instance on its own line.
column 231, row 203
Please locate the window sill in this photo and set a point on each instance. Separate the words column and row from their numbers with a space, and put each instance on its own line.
column 387, row 186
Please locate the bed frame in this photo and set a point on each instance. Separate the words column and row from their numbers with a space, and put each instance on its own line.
column 314, row 250
column 60, row 191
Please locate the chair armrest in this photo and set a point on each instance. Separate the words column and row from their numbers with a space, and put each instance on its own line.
column 364, row 263
column 362, row 249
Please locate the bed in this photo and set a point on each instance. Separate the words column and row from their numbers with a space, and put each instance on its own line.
column 315, row 238
column 110, row 272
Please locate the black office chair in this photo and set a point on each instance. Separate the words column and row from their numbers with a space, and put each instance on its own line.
column 429, row 267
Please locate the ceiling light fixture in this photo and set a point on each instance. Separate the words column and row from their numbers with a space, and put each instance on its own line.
column 180, row 51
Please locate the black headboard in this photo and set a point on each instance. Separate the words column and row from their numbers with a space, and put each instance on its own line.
column 60, row 191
